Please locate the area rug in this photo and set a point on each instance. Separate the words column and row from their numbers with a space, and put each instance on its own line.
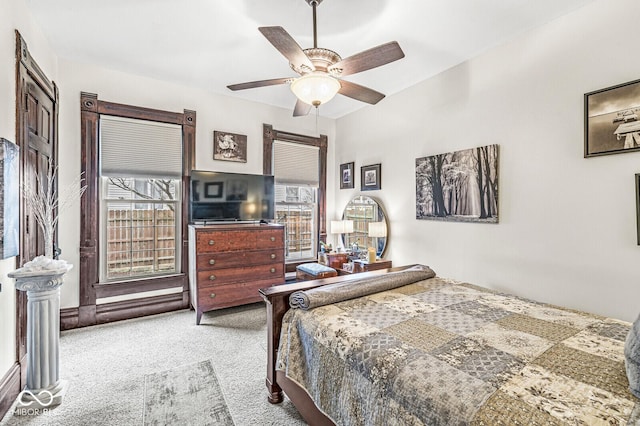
column 185, row 395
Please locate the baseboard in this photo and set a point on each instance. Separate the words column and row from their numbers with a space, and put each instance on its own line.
column 127, row 309
column 9, row 389
column 84, row 316
column 69, row 318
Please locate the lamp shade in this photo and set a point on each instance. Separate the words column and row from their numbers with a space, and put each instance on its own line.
column 377, row 229
column 341, row 226
column 315, row 88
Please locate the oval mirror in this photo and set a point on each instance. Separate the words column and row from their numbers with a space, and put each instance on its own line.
column 370, row 226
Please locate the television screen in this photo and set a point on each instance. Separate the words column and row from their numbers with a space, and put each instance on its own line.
column 224, row 197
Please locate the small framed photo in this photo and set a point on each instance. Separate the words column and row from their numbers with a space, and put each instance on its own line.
column 346, row 176
column 612, row 120
column 213, row 189
column 370, row 178
column 229, row 147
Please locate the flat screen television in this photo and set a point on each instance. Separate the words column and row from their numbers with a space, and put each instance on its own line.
column 230, row 197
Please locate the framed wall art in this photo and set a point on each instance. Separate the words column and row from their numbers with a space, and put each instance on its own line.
column 458, row 186
column 611, row 122
column 229, row 147
column 346, row 176
column 9, row 199
column 370, row 177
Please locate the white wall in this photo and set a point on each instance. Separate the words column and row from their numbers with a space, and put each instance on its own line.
column 567, row 231
column 214, row 112
column 14, row 16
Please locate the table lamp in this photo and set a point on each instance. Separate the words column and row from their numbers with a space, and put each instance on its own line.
column 377, row 230
column 341, row 227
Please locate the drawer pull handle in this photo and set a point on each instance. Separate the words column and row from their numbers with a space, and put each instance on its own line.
column 273, row 238
column 212, row 295
column 212, row 261
column 212, row 277
column 273, row 256
column 273, row 270
column 211, row 242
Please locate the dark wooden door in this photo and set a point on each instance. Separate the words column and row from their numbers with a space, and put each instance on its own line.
column 37, row 122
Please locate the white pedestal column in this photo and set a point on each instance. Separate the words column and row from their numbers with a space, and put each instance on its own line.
column 44, row 388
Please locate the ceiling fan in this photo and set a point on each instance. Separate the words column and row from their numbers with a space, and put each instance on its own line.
column 321, row 70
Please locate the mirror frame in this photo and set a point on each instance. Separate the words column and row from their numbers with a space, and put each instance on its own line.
column 382, row 216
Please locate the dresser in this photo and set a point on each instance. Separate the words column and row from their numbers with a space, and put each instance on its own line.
column 229, row 263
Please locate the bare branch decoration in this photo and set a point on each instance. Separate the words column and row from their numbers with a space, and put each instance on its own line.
column 47, row 203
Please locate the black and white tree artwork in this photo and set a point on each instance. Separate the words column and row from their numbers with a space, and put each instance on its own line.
column 458, row 186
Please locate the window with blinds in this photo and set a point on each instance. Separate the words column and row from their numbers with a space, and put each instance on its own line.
column 297, row 175
column 140, row 209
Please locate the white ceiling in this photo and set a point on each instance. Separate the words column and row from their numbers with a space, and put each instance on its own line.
column 212, row 43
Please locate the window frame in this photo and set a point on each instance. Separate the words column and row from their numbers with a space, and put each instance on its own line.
column 269, row 135
column 91, row 288
column 104, row 211
column 297, row 205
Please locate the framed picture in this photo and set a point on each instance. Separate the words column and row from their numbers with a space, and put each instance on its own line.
column 213, row 189
column 638, row 205
column 346, row 176
column 459, row 186
column 229, row 147
column 9, row 199
column 370, row 178
column 611, row 122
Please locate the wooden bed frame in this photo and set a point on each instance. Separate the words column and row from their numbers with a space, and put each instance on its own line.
column 277, row 300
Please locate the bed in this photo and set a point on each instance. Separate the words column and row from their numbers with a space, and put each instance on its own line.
column 405, row 347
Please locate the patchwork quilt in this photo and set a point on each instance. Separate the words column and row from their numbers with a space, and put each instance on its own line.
column 442, row 352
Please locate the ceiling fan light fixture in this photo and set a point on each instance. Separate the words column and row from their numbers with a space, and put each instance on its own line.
column 315, row 88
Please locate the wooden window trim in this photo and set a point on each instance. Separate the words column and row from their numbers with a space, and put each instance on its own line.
column 269, row 135
column 90, row 288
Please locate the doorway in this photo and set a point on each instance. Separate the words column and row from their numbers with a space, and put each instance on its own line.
column 36, row 136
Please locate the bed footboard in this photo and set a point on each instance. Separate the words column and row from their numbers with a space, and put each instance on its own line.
column 277, row 300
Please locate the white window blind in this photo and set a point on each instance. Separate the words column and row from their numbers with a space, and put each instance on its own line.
column 296, row 163
column 130, row 147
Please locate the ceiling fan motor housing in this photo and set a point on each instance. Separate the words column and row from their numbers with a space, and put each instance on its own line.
column 322, row 59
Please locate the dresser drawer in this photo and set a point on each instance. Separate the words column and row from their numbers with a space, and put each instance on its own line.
column 218, row 241
column 231, row 295
column 210, row 261
column 238, row 275
column 271, row 239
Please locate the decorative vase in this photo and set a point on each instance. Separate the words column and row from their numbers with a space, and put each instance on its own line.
column 41, row 278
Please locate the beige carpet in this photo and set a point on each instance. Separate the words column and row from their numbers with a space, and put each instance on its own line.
column 106, row 367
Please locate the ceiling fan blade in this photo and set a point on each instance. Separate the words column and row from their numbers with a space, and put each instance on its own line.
column 371, row 58
column 301, row 109
column 286, row 45
column 259, row 83
column 360, row 93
